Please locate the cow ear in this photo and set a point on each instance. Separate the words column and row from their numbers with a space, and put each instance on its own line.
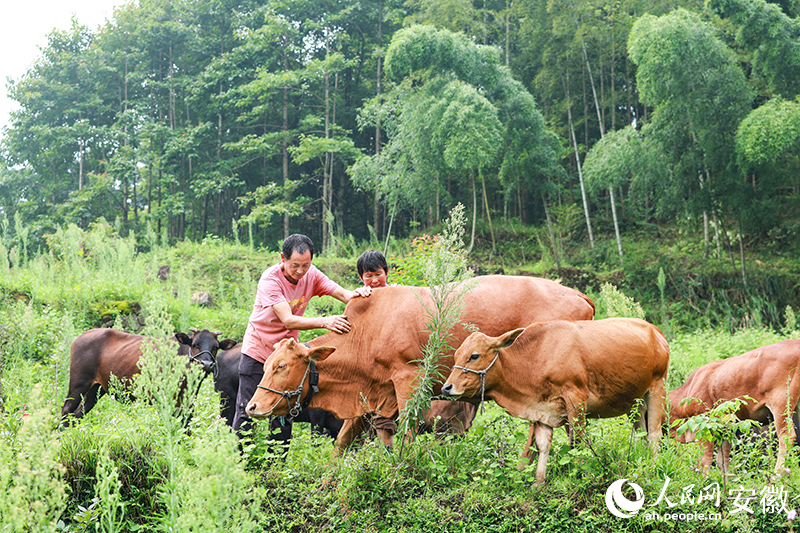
column 321, row 353
column 227, row 344
column 183, row 338
column 507, row 339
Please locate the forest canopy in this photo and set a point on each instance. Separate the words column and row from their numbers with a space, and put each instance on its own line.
column 210, row 117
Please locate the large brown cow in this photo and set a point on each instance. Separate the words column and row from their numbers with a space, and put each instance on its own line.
column 370, row 371
column 98, row 353
column 768, row 375
column 558, row 372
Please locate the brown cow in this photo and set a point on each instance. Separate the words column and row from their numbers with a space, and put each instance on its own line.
column 370, row 371
column 768, row 375
column 98, row 353
column 558, row 372
column 226, row 383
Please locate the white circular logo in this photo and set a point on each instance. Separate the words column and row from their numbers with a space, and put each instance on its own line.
column 621, row 506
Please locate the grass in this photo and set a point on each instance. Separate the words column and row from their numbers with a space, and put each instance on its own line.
column 127, row 468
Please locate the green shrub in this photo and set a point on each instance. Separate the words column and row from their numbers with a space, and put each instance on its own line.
column 31, row 477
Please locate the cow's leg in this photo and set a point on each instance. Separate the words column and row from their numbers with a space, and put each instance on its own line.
column 708, row 456
column 351, row 429
column 575, row 405
column 79, row 403
column 544, row 441
column 94, row 394
column 527, row 454
column 786, row 432
column 654, row 403
column 724, row 456
column 72, row 404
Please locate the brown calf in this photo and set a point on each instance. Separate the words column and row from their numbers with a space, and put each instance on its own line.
column 559, row 372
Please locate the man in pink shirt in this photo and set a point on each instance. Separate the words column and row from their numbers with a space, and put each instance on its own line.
column 283, row 293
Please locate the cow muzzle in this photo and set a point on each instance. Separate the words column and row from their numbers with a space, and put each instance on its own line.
column 254, row 410
column 209, row 364
column 449, row 390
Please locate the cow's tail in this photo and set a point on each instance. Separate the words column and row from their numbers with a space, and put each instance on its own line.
column 590, row 302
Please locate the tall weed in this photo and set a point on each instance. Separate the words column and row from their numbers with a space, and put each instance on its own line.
column 444, row 270
column 34, row 492
column 214, row 491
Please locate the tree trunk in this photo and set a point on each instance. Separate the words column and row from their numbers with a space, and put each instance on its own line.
column 376, row 204
column 508, row 35
column 326, row 185
column 389, row 231
column 552, row 234
column 613, row 105
column 580, row 177
column 82, row 149
column 616, row 224
column 741, row 256
column 474, row 216
column 285, row 150
column 488, row 215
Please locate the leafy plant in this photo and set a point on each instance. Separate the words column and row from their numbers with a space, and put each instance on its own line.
column 445, row 270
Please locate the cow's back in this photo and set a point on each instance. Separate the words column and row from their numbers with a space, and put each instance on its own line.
column 754, row 373
column 497, row 304
column 391, row 325
column 100, row 352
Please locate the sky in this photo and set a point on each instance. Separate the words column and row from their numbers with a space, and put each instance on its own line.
column 24, row 25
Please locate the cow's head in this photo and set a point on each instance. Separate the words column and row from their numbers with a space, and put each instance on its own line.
column 473, row 360
column 202, row 347
column 286, row 380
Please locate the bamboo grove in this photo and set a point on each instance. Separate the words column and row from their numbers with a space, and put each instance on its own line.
column 209, row 117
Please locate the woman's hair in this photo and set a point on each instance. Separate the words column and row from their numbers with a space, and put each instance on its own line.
column 371, row 261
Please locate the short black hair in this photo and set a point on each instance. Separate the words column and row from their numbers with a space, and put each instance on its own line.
column 297, row 243
column 371, row 261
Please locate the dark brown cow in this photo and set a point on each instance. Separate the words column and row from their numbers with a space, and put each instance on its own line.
column 98, row 353
column 768, row 375
column 560, row 372
column 370, row 371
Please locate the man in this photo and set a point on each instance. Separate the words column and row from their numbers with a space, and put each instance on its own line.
column 283, row 293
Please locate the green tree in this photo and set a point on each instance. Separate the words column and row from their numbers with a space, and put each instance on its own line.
column 772, row 39
column 456, row 108
column 699, row 95
column 767, row 148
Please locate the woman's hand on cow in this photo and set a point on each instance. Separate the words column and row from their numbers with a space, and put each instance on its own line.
column 338, row 324
column 364, row 291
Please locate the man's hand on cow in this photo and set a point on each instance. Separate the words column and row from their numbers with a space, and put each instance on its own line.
column 338, row 324
column 364, row 291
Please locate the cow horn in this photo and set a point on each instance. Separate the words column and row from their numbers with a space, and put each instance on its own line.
column 216, row 333
column 194, row 330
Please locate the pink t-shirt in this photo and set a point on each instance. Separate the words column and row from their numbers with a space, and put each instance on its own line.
column 264, row 328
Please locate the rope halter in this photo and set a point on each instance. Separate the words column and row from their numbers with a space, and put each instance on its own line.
column 482, row 374
column 214, row 366
column 313, row 380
